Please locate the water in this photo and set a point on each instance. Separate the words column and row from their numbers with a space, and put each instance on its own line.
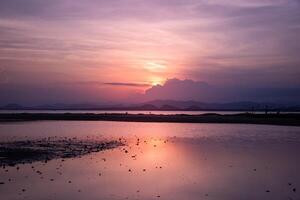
column 172, row 161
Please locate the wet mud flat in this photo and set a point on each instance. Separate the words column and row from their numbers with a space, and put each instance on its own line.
column 175, row 168
column 28, row 151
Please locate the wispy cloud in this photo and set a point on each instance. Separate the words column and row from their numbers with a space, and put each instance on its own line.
column 128, row 84
column 129, row 43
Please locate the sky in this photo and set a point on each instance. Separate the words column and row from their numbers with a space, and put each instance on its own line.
column 128, row 51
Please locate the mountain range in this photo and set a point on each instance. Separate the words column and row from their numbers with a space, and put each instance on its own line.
column 163, row 105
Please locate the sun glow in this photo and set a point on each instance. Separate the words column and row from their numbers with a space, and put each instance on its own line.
column 156, row 81
column 155, row 67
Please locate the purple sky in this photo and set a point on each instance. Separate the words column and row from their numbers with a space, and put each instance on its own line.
column 67, row 51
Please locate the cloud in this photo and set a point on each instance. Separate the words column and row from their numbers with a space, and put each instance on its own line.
column 235, row 28
column 241, row 49
column 176, row 89
column 3, row 77
column 127, row 84
column 117, row 84
column 180, row 90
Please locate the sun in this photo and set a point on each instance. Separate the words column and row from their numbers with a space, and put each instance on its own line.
column 156, row 81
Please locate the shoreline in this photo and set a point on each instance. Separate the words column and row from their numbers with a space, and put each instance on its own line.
column 291, row 119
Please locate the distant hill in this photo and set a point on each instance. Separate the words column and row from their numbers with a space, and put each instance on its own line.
column 164, row 105
column 12, row 106
column 232, row 106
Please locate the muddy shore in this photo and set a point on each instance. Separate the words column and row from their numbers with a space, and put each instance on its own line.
column 28, row 151
column 243, row 118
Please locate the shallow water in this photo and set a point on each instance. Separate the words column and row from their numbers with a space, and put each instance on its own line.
column 163, row 161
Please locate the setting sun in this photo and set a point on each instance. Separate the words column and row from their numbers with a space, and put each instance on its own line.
column 156, row 81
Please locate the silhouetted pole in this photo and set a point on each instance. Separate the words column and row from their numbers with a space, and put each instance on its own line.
column 266, row 109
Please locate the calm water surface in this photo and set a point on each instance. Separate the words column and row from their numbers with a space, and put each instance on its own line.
column 171, row 161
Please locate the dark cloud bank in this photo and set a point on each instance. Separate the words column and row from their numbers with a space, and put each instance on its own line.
column 184, row 90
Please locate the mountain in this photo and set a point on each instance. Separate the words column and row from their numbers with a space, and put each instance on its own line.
column 231, row 106
column 12, row 106
column 164, row 105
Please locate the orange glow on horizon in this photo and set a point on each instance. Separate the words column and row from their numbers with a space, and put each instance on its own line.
column 156, row 81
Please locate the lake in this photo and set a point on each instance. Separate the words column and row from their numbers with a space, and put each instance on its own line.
column 160, row 161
